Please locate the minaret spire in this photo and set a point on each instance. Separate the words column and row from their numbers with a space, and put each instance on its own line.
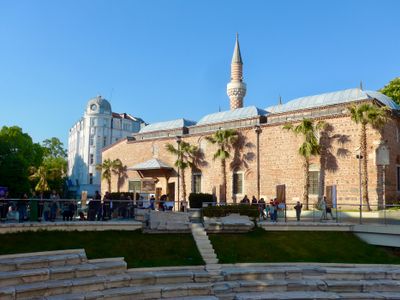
column 236, row 88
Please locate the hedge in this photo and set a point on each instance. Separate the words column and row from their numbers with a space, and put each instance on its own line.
column 222, row 211
column 196, row 200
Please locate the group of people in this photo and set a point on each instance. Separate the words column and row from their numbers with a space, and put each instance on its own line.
column 40, row 209
column 266, row 210
column 104, row 209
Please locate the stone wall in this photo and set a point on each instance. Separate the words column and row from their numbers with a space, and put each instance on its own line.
column 280, row 162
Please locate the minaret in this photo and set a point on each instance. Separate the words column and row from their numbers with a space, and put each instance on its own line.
column 236, row 88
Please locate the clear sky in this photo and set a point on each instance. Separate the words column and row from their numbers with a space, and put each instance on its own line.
column 162, row 60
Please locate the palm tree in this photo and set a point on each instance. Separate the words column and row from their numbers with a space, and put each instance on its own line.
column 120, row 170
column 186, row 157
column 42, row 174
column 309, row 147
column 376, row 116
column 224, row 139
column 106, row 168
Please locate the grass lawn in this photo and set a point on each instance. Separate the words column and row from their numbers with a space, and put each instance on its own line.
column 138, row 249
column 299, row 246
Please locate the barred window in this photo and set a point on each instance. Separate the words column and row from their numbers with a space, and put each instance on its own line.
column 314, row 182
column 196, row 180
column 90, row 178
column 237, row 183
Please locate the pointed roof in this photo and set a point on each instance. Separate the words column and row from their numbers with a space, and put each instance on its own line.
column 237, row 57
column 151, row 164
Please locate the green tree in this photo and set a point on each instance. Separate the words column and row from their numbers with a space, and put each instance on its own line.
column 120, row 170
column 106, row 169
column 392, row 90
column 55, row 160
column 310, row 147
column 54, row 148
column 224, row 139
column 186, row 156
column 376, row 116
column 17, row 154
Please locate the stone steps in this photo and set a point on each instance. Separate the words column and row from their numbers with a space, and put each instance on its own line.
column 27, row 261
column 312, row 295
column 310, row 272
column 203, row 244
column 91, row 268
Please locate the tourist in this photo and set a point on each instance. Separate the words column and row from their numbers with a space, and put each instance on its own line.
column 322, row 206
column 97, row 206
column 267, row 212
column 122, row 206
column 41, row 204
column 261, row 208
column 106, row 207
column 329, row 211
column 272, row 211
column 152, row 202
column 298, row 208
column 276, row 205
column 21, row 206
column 254, row 200
column 55, row 197
column 245, row 200
column 3, row 205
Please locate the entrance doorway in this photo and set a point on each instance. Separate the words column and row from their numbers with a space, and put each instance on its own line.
column 171, row 191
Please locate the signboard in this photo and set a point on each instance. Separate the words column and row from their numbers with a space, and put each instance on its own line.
column 148, row 185
column 382, row 155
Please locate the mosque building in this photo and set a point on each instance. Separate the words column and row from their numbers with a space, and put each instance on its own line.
column 98, row 128
column 268, row 157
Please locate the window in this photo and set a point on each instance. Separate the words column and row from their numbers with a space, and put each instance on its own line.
column 104, row 141
column 398, row 178
column 196, row 183
column 90, row 178
column 237, row 183
column 91, row 159
column 126, row 126
column 314, row 182
column 91, row 141
column 134, row 186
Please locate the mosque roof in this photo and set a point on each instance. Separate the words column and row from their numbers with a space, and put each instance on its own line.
column 167, row 125
column 230, row 115
column 152, row 164
column 338, row 97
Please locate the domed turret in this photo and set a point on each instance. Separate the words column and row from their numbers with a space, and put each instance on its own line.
column 98, row 105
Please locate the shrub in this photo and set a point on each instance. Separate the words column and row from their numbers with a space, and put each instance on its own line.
column 222, row 211
column 197, row 200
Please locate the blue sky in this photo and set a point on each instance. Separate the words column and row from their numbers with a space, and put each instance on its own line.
column 162, row 60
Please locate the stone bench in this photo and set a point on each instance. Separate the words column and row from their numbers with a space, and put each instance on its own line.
column 233, row 223
column 46, row 259
column 91, row 268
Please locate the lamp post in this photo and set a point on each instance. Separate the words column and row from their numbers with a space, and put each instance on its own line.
column 360, row 157
column 258, row 130
column 179, row 140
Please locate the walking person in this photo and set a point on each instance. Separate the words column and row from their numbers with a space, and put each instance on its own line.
column 41, row 205
column 54, row 205
column 106, row 207
column 261, row 208
column 298, row 208
column 272, row 211
column 322, row 206
column 21, row 206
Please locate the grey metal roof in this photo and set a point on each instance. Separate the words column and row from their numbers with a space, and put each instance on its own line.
column 167, row 125
column 152, row 164
column 237, row 57
column 343, row 96
column 230, row 115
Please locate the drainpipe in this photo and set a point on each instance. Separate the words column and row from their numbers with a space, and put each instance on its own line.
column 258, row 131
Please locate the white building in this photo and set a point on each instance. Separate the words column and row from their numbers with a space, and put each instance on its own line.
column 98, row 128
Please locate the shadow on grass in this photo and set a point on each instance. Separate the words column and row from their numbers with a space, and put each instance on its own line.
column 138, row 249
column 299, row 246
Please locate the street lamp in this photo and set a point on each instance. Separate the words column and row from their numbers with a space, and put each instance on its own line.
column 383, row 160
column 360, row 157
column 178, row 140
